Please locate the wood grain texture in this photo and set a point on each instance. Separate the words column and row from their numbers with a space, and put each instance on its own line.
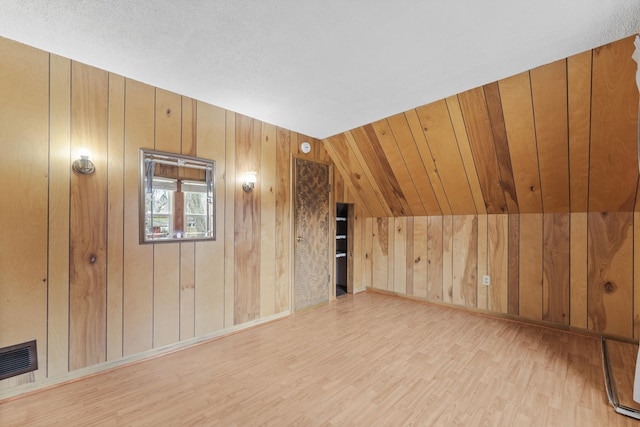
column 283, row 220
column 138, row 259
column 498, row 129
column 478, row 123
column 610, row 273
column 391, row 261
column 549, row 93
column 531, row 267
column 209, row 256
column 354, row 248
column 441, row 140
column 555, row 284
column 367, row 253
column 613, row 170
column 380, row 253
column 447, row 259
column 517, row 107
column 393, row 154
column 400, row 256
column 24, row 82
column 498, row 262
column 409, row 256
column 514, row 264
column 636, row 275
column 455, row 114
column 415, row 166
column 166, row 257
column 578, row 270
column 59, row 178
column 420, row 259
column 579, row 104
column 465, row 262
column 369, row 145
column 115, row 217
column 428, row 161
column 483, row 241
column 434, row 258
column 268, row 221
column 88, row 219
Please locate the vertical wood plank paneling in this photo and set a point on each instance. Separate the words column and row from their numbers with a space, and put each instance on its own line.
column 636, row 275
column 517, row 106
column 59, row 176
column 231, row 180
column 447, row 259
column 420, row 256
column 531, row 266
column 478, row 123
column 283, row 220
column 578, row 270
column 393, row 154
column 367, row 251
column 247, row 221
column 166, row 257
column 400, row 256
column 483, row 241
column 441, row 140
column 579, row 103
column 426, row 158
column 455, row 113
column 498, row 129
column 549, row 92
column 415, row 165
column 115, row 217
column 610, row 273
column 465, row 261
column 555, row 284
column 434, row 258
column 380, row 253
column 209, row 261
column 88, row 221
column 356, row 224
column 409, row 258
column 498, row 262
column 391, row 259
column 24, row 82
column 187, row 250
column 268, row 221
column 614, row 129
column 138, row 259
column 514, row 264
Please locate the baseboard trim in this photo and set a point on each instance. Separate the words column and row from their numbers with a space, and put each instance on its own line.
column 79, row 374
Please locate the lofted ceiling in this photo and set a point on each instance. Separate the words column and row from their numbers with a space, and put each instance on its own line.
column 324, row 67
column 558, row 138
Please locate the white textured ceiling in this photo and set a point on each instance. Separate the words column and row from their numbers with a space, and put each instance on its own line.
column 317, row 67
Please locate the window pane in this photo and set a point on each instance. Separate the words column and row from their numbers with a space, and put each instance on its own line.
column 195, row 203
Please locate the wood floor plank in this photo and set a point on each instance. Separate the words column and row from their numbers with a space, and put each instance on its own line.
column 456, row 368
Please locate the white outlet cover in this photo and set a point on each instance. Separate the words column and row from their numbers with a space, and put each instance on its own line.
column 486, row 280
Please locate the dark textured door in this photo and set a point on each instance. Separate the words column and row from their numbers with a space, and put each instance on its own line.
column 311, row 234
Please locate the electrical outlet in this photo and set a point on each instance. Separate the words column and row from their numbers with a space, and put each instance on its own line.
column 486, row 280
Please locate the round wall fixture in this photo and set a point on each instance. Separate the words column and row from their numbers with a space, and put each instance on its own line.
column 305, row 147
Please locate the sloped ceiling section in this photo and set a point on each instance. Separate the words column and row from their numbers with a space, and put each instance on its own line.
column 558, row 138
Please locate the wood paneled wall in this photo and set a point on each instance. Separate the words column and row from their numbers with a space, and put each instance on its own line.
column 576, row 270
column 72, row 273
column 556, row 139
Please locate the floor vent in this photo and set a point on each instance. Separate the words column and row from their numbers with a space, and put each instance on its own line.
column 18, row 359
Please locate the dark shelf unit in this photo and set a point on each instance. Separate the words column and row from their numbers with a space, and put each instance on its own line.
column 342, row 227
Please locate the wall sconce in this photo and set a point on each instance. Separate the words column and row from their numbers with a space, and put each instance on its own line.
column 83, row 165
column 249, row 181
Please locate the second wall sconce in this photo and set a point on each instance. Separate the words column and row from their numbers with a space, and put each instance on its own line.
column 249, row 182
column 83, row 165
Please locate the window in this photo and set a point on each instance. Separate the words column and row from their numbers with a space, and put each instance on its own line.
column 177, row 196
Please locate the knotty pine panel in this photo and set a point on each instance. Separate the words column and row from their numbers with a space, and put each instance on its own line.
column 434, row 258
column 367, row 253
column 610, row 273
column 209, row 261
column 409, row 256
column 416, row 167
column 549, row 93
column 636, row 275
column 578, row 270
column 115, row 217
column 267, row 291
column 483, row 241
column 420, row 261
column 354, row 248
column 138, row 259
column 88, row 219
column 465, row 263
column 24, row 108
column 517, row 107
column 613, row 171
column 447, row 259
column 283, row 220
column 57, row 362
column 498, row 262
column 555, row 283
column 531, row 267
column 391, row 242
column 380, row 253
column 400, row 255
column 514, row 264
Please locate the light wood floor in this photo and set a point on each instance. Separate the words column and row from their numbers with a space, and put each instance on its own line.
column 369, row 360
